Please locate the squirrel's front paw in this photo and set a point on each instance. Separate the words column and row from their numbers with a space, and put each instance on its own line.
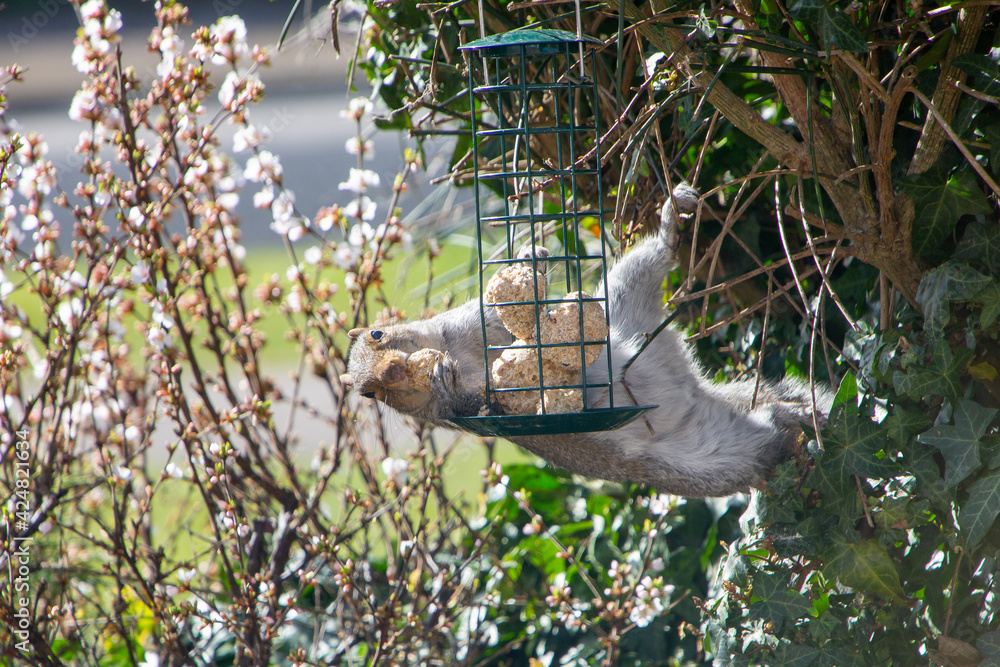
column 448, row 386
column 445, row 378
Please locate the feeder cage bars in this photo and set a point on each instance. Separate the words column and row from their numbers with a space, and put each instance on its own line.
column 536, row 148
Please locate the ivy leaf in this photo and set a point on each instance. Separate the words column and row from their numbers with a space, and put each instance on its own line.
column 705, row 26
column 954, row 653
column 992, row 133
column 985, row 71
column 922, row 463
column 941, row 200
column 795, row 655
column 938, row 379
column 903, row 424
column 808, row 11
column 990, row 299
column 785, row 605
column 865, row 566
column 981, row 242
column 847, row 394
column 980, row 510
column 839, row 31
column 959, row 444
column 952, row 281
column 851, row 444
column 989, row 646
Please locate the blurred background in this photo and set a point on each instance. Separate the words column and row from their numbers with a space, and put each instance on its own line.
column 307, row 85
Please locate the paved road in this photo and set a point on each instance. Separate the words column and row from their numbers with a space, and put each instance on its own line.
column 306, row 90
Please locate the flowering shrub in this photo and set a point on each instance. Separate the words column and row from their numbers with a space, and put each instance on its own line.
column 158, row 505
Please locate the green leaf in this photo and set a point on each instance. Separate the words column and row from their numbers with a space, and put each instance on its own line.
column 941, row 378
column 851, row 444
column 985, row 72
column 864, row 566
column 705, row 26
column 808, row 11
column 989, row 646
column 989, row 297
column 785, row 605
column 992, row 133
column 903, row 424
column 959, row 444
column 952, row 281
column 980, row 510
column 847, row 394
column 941, row 201
column 839, row 31
column 794, row 655
column 921, row 462
column 981, row 242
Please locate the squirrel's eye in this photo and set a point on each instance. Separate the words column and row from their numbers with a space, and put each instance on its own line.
column 369, row 394
column 377, row 335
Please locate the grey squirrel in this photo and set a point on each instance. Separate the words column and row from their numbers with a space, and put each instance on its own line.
column 704, row 439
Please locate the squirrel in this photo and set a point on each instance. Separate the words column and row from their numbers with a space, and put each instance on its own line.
column 704, row 439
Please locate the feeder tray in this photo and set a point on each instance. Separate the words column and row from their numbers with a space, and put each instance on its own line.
column 536, row 147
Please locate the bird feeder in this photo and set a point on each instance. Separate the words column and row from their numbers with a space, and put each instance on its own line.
column 536, row 149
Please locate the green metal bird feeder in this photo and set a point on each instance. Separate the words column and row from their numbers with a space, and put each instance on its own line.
column 536, row 148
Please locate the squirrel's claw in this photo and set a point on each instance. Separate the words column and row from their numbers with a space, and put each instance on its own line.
column 448, row 386
column 445, row 379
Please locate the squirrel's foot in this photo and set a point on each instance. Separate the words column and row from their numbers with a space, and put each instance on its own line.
column 683, row 201
column 448, row 386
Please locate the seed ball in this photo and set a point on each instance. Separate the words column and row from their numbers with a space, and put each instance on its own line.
column 561, row 324
column 562, row 400
column 518, row 367
column 419, row 366
column 516, row 282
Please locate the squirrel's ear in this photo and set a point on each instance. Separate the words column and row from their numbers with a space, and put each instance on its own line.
column 346, row 380
column 354, row 333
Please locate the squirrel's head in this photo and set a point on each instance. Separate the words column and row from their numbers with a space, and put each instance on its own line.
column 376, row 368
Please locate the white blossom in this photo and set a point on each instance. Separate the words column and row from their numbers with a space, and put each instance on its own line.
column 264, row 198
column 6, row 287
column 173, row 470
column 360, row 180
column 162, row 318
column 249, row 136
column 227, row 91
column 357, row 146
column 283, row 206
column 362, row 207
column 661, row 504
column 396, row 470
column 326, row 218
column 229, row 39
column 69, row 312
column 92, row 9
column 313, row 255
column 649, row 601
column 356, row 108
column 498, row 492
column 140, row 273
column 263, row 167
column 186, row 576
column 346, row 256
column 159, row 338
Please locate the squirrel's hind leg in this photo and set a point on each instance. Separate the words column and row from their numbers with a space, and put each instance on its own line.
column 635, row 282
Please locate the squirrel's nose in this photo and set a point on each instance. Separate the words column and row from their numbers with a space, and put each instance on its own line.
column 394, row 374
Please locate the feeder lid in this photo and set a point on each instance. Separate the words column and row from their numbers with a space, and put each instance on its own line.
column 534, row 41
